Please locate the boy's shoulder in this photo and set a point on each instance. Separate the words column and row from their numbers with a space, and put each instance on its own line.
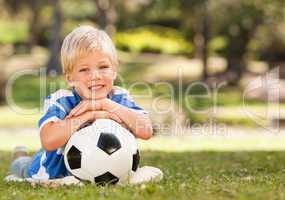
column 59, row 94
column 120, row 94
column 62, row 98
column 123, row 97
column 119, row 91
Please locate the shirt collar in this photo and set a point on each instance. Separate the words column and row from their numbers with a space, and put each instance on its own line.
column 76, row 95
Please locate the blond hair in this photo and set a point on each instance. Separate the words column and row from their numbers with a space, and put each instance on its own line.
column 82, row 40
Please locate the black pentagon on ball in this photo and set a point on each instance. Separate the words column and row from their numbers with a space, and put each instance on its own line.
column 106, row 178
column 74, row 158
column 136, row 161
column 109, row 143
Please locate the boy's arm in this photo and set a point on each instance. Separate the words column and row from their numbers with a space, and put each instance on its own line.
column 56, row 134
column 139, row 123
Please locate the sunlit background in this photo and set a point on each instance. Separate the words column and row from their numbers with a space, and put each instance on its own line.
column 218, row 57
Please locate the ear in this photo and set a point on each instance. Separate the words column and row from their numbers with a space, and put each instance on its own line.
column 69, row 80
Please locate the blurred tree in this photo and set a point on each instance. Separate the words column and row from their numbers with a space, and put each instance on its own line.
column 274, row 49
column 238, row 21
column 35, row 6
column 189, row 16
column 3, row 81
column 269, row 43
column 34, row 22
column 137, row 13
column 53, row 65
column 196, row 26
column 15, row 7
column 106, row 15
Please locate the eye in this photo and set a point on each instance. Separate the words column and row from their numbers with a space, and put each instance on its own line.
column 104, row 67
column 84, row 69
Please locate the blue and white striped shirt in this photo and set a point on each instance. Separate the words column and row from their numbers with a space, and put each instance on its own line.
column 50, row 164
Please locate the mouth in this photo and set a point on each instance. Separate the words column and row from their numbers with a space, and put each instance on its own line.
column 95, row 87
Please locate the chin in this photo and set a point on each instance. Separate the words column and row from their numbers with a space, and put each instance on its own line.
column 100, row 94
column 100, row 97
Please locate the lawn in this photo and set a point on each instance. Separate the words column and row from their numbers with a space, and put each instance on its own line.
column 194, row 168
column 188, row 175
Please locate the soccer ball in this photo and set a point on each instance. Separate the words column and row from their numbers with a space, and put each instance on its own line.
column 103, row 152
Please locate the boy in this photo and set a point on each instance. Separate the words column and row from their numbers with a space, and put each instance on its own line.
column 90, row 62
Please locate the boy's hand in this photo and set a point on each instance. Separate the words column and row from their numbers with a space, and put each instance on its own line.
column 95, row 114
column 86, row 105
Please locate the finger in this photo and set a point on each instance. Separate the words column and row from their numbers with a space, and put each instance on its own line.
column 83, row 108
column 68, row 116
column 75, row 108
column 124, row 125
column 115, row 117
column 71, row 112
column 88, row 106
column 93, row 104
column 100, row 114
column 107, row 115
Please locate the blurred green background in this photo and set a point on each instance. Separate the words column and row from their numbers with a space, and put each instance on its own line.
column 219, row 46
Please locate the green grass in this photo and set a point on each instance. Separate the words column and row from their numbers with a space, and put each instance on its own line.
column 194, row 168
column 188, row 175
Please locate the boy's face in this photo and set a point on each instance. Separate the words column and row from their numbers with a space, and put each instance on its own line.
column 92, row 75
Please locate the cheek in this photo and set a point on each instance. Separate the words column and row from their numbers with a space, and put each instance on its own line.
column 108, row 80
column 82, row 79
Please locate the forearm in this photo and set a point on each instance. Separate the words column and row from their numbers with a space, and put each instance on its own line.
column 56, row 134
column 139, row 123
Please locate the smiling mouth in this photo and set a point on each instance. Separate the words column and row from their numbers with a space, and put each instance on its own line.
column 95, row 87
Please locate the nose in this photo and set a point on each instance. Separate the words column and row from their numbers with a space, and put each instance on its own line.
column 95, row 75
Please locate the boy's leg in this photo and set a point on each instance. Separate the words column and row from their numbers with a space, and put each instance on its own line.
column 21, row 162
column 20, row 166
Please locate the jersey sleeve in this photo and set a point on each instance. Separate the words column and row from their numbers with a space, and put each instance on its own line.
column 123, row 97
column 53, row 111
column 57, row 106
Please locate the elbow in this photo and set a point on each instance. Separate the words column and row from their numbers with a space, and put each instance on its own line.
column 146, row 134
column 47, row 142
column 146, row 137
column 47, row 145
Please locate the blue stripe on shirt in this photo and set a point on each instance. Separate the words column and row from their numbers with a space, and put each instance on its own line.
column 69, row 102
column 125, row 101
column 53, row 111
